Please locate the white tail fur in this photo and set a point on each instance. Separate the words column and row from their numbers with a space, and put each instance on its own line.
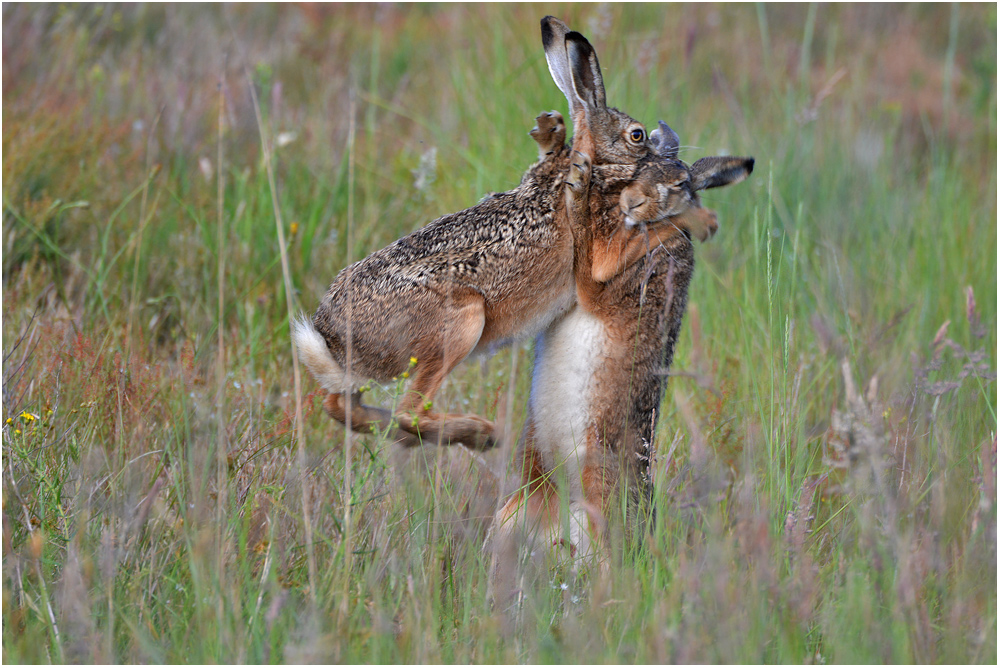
column 316, row 356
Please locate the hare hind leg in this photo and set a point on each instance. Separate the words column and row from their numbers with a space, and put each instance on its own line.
column 465, row 319
column 366, row 418
column 529, row 520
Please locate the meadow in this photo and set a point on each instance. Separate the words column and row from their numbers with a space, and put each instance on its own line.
column 178, row 180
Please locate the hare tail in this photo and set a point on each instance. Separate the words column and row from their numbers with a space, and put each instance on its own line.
column 317, row 357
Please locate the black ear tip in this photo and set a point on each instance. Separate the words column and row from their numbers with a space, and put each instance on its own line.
column 547, row 33
column 574, row 36
column 749, row 166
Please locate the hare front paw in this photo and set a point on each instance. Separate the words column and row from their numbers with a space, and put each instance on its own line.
column 549, row 133
column 707, row 229
column 579, row 172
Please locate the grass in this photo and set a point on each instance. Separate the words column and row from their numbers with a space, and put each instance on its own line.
column 154, row 506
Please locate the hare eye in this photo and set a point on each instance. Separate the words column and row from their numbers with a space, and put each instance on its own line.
column 637, row 135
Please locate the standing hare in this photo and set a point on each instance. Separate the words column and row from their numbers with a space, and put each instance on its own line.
column 599, row 370
column 473, row 280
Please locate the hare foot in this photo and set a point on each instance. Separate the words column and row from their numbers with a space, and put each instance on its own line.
column 366, row 419
column 549, row 133
column 471, row 431
column 580, row 171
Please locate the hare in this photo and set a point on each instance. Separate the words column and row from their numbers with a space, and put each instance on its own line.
column 600, row 369
column 477, row 279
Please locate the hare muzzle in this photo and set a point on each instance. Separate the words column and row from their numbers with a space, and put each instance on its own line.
column 632, row 203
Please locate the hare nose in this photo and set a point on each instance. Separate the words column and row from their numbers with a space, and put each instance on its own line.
column 631, row 201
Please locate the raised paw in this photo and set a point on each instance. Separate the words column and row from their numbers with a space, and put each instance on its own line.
column 711, row 227
column 549, row 132
column 579, row 171
column 702, row 224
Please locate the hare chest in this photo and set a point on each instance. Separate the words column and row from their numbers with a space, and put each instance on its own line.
column 567, row 356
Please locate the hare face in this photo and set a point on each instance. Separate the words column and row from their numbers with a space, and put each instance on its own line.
column 626, row 143
column 664, row 189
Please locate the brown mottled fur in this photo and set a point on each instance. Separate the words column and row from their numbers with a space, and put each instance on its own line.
column 634, row 320
column 472, row 280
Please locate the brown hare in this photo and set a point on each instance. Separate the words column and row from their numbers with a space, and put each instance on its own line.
column 473, row 280
column 599, row 370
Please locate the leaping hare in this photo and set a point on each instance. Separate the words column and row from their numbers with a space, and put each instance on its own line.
column 599, row 371
column 473, row 280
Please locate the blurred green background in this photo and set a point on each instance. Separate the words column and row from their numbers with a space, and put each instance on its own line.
column 153, row 508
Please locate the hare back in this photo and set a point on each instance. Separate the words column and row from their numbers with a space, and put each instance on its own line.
column 512, row 250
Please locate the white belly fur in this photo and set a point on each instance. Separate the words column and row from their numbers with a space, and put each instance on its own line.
column 566, row 357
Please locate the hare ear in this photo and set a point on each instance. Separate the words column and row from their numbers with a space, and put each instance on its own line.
column 719, row 171
column 554, row 42
column 665, row 141
column 586, row 71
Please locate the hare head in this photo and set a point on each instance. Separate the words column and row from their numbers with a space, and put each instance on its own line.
column 608, row 135
column 667, row 188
